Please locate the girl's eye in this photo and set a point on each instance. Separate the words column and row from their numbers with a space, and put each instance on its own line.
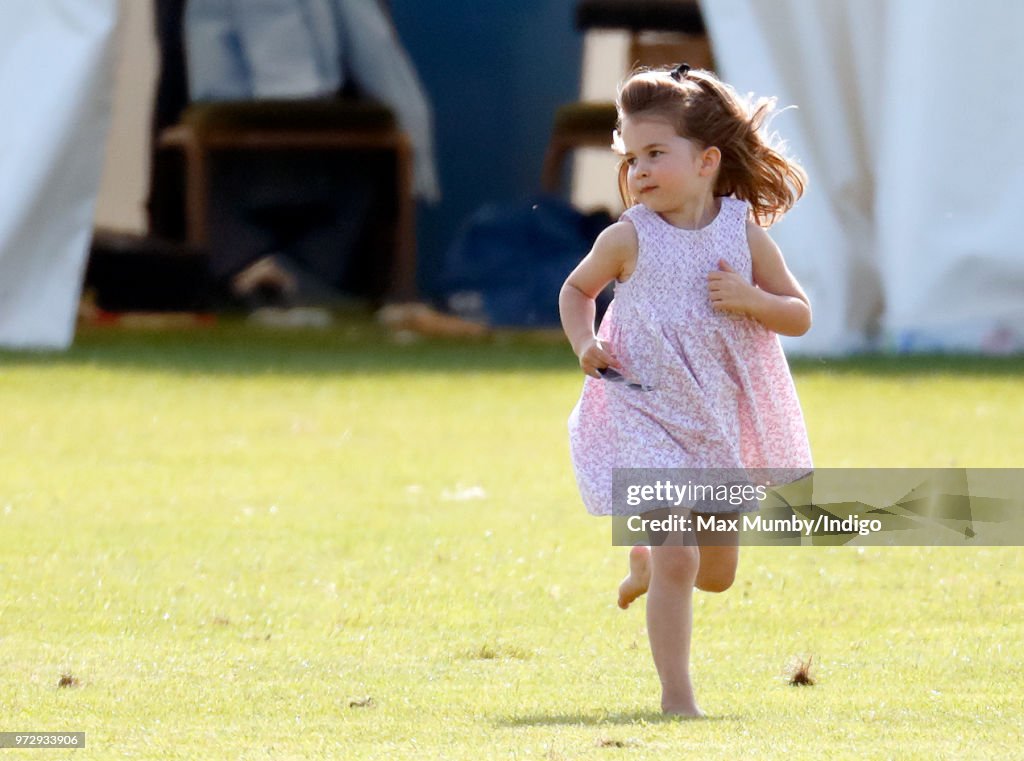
column 653, row 154
column 631, row 161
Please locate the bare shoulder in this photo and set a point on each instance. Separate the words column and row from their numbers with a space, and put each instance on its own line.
column 769, row 269
column 618, row 238
column 620, row 243
column 762, row 246
column 613, row 257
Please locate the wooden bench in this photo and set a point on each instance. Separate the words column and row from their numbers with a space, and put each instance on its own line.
column 335, row 124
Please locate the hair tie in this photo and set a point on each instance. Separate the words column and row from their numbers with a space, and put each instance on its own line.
column 680, row 72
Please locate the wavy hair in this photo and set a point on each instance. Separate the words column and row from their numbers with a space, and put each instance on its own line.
column 702, row 108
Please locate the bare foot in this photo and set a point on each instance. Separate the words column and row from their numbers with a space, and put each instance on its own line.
column 639, row 578
column 686, row 710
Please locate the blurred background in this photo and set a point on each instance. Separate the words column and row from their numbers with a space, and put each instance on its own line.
column 444, row 167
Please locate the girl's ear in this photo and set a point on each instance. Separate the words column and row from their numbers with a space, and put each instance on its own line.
column 710, row 160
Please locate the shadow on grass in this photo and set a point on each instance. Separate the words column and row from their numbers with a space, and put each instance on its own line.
column 360, row 347
column 893, row 365
column 605, row 719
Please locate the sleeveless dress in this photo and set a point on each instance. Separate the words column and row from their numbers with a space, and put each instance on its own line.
column 721, row 395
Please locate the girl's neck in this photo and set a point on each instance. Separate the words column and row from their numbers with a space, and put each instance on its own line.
column 694, row 214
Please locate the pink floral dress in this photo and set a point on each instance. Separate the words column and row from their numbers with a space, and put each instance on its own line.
column 721, row 395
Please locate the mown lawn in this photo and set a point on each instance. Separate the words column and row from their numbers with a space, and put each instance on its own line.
column 245, row 544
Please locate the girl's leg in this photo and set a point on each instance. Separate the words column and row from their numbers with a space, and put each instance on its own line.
column 719, row 557
column 639, row 577
column 670, row 622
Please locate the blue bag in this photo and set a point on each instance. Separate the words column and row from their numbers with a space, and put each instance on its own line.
column 508, row 262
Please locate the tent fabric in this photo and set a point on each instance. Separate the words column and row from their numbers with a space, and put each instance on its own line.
column 56, row 78
column 903, row 119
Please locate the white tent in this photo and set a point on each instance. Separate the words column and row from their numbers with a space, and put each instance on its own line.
column 56, row 69
column 906, row 120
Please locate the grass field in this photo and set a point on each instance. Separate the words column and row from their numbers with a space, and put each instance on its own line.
column 241, row 544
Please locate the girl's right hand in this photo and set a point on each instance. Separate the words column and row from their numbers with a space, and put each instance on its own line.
column 595, row 357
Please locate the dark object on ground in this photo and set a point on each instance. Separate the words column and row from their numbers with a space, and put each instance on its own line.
column 800, row 673
column 135, row 273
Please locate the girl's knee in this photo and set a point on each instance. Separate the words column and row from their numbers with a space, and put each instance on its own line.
column 717, row 568
column 716, row 581
column 676, row 564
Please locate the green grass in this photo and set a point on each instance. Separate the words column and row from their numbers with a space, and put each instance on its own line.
column 246, row 544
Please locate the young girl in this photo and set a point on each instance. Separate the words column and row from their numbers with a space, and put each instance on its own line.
column 701, row 292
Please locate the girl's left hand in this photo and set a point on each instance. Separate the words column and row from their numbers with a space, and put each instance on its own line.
column 730, row 293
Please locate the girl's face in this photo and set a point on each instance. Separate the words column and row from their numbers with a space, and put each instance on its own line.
column 665, row 171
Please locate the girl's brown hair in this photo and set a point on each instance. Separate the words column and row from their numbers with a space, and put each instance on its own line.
column 702, row 108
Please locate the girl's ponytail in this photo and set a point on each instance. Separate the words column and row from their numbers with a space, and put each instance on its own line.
column 755, row 169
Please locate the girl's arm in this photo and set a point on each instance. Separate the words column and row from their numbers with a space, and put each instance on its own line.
column 775, row 300
column 613, row 257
